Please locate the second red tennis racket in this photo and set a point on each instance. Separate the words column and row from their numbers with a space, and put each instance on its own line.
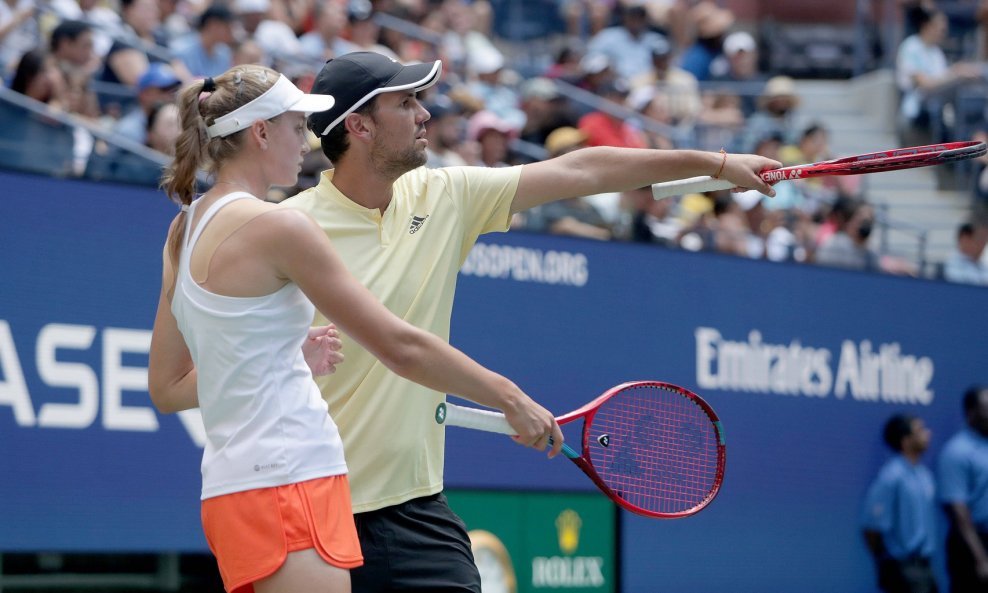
column 655, row 449
column 873, row 162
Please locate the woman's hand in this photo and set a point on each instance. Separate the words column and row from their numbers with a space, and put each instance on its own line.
column 322, row 350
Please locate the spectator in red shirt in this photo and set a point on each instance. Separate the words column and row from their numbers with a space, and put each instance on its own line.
column 605, row 129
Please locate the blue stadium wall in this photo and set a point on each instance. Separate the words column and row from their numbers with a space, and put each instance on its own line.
column 803, row 364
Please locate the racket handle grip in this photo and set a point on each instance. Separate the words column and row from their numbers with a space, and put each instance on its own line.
column 485, row 420
column 693, row 185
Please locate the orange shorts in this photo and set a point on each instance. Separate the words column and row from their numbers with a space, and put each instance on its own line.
column 252, row 532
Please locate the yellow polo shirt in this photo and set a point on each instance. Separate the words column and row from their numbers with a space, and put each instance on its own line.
column 409, row 258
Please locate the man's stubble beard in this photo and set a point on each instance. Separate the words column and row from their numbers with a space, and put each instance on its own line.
column 396, row 164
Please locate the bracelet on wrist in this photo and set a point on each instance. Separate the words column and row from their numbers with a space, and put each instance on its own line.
column 722, row 163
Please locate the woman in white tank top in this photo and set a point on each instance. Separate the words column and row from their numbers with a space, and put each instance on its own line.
column 240, row 279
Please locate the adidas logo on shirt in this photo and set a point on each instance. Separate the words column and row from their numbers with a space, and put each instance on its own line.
column 417, row 222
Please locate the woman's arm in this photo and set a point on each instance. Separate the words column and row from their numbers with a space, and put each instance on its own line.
column 171, row 372
column 303, row 254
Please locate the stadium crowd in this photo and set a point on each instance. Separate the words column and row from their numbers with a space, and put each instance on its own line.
column 630, row 73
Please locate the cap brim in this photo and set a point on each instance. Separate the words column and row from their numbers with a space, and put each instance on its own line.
column 313, row 104
column 414, row 76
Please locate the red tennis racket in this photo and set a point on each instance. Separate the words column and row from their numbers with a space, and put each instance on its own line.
column 874, row 162
column 653, row 448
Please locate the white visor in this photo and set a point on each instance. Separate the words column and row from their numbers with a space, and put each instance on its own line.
column 283, row 96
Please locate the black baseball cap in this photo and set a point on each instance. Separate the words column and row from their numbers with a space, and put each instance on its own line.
column 356, row 78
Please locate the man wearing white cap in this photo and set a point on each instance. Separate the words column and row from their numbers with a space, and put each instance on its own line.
column 741, row 52
column 404, row 230
column 275, row 37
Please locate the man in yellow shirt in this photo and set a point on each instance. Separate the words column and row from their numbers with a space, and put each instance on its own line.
column 404, row 230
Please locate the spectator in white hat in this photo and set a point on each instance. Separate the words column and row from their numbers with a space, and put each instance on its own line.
column 275, row 37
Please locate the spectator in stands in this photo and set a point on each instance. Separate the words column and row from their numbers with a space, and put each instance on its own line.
column 847, row 247
column 964, row 264
column 544, row 108
column 962, row 480
column 326, row 40
column 755, row 213
column 78, row 97
column 365, row 33
column 680, row 88
column 605, row 129
column 729, row 228
column 72, row 47
column 629, row 45
column 106, row 23
column 18, row 32
column 276, row 38
column 925, row 77
column 899, row 515
column 746, row 80
column 566, row 63
column 651, row 220
column 176, row 18
column 654, row 105
column 776, row 108
column 163, row 128
column 36, row 76
column 576, row 216
column 72, row 51
column 595, row 72
column 156, row 86
column 721, row 108
column 487, row 83
column 456, row 22
column 445, row 132
column 207, row 52
column 493, row 134
column 704, row 59
column 788, row 234
column 140, row 45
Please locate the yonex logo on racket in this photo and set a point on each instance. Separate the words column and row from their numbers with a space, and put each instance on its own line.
column 782, row 174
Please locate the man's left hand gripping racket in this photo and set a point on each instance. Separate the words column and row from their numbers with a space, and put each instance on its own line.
column 653, row 448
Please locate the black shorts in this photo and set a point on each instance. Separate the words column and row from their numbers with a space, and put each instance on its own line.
column 418, row 545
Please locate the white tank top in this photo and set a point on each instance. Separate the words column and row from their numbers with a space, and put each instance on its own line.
column 266, row 422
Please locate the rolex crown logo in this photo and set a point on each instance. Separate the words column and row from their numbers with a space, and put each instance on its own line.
column 568, row 525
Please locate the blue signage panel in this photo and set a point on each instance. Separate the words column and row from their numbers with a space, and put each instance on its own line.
column 803, row 364
column 87, row 463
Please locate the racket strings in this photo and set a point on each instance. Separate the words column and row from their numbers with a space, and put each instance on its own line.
column 662, row 451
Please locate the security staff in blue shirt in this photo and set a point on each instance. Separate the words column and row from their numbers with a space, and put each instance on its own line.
column 899, row 513
column 963, row 482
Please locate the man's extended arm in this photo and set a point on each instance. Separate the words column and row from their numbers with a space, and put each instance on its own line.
column 608, row 169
